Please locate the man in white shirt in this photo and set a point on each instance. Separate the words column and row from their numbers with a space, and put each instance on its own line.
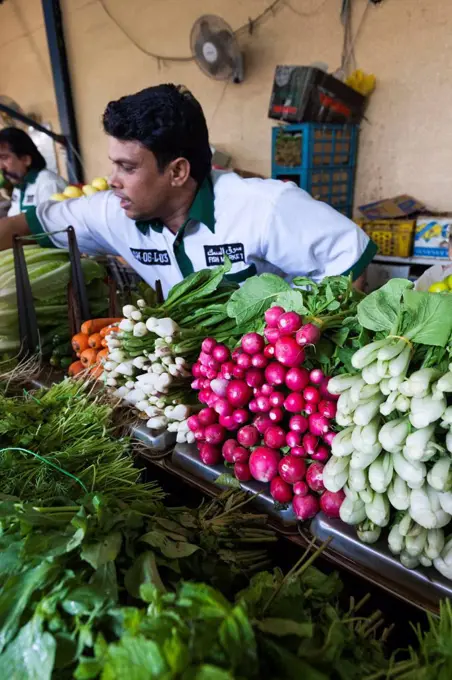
column 167, row 215
column 24, row 166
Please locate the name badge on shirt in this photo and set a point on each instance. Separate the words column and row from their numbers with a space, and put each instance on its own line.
column 29, row 199
column 215, row 254
column 152, row 256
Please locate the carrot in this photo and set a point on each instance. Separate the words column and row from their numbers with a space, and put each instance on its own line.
column 88, row 357
column 104, row 343
column 95, row 340
column 96, row 325
column 75, row 368
column 103, row 354
column 108, row 329
column 80, row 342
column 96, row 372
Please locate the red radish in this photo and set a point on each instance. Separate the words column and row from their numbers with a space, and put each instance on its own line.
column 293, row 439
column 327, row 409
column 272, row 316
column 218, row 386
column 310, row 443
column 203, row 370
column 297, row 379
column 212, row 363
column 328, row 437
column 300, row 488
column 324, row 393
column 252, row 343
column 259, row 360
column 275, row 437
column 309, row 409
column 321, row 454
column 209, row 454
column 196, row 384
column 236, row 353
column 311, row 394
column 240, row 455
column 330, row 503
column 238, row 393
column 223, row 407
column 289, row 322
column 271, row 335
column 221, row 353
column 314, row 477
column 215, row 434
column 207, row 416
column 199, row 435
column 263, row 403
column 305, row 507
column 318, row 424
column 294, row 402
column 269, row 351
column 204, row 358
column 228, row 449
column 212, row 400
column 241, row 416
column 264, row 464
column 292, row 469
column 208, row 345
column 229, row 423
column 308, row 335
column 253, row 407
column 288, row 353
column 254, row 377
column 242, row 472
column 196, row 370
column 248, row 436
column 211, row 373
column 261, row 423
column 298, row 451
column 267, row 390
column 193, row 423
column 280, row 490
column 227, row 370
column 316, row 376
column 244, row 361
column 276, row 398
column 276, row 415
column 204, row 395
column 238, row 372
column 275, row 374
column 299, row 423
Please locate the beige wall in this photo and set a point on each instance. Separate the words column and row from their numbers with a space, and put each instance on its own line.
column 406, row 145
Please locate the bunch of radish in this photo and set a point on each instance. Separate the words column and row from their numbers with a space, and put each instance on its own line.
column 266, row 414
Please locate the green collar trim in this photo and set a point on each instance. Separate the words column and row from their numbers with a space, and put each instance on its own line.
column 201, row 210
column 29, row 178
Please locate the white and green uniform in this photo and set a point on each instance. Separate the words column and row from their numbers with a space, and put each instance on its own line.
column 36, row 188
column 261, row 225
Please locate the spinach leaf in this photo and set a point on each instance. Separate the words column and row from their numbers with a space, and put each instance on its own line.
column 380, row 311
column 31, row 655
column 198, row 285
column 427, row 318
column 292, row 301
column 255, row 296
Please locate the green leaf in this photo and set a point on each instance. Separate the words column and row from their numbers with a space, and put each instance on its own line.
column 380, row 311
column 198, row 285
column 134, row 658
column 255, row 296
column 31, row 655
column 169, row 548
column 207, row 672
column 428, row 317
column 144, row 570
column 282, row 627
column 228, row 480
column 107, row 550
column 292, row 301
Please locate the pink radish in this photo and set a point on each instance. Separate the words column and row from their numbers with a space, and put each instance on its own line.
column 208, row 345
column 244, row 361
column 330, row 503
column 221, row 353
column 228, row 422
column 272, row 316
column 321, row 454
column 242, row 472
column 223, row 407
column 298, row 451
column 327, row 409
column 314, row 477
column 254, row 377
column 248, row 436
column 228, row 449
column 263, row 464
column 289, row 322
column 252, row 343
column 271, row 335
column 316, row 376
column 227, row 370
column 310, row 408
column 199, row 435
column 293, row 438
column 209, row 454
column 311, row 394
column 263, row 403
column 300, row 488
column 310, row 443
column 318, row 424
column 193, row 423
column 294, row 403
column 241, row 416
column 276, row 415
column 308, row 335
column 269, row 351
column 276, row 398
column 238, row 393
column 328, row 437
column 238, row 372
column 267, row 390
column 324, row 393
column 240, row 455
column 262, row 423
column 288, row 353
column 280, row 490
column 297, row 379
column 305, row 507
column 196, row 370
column 299, row 423
column 275, row 374
column 275, row 437
column 207, row 416
column 292, row 469
column 215, row 434
column 259, row 360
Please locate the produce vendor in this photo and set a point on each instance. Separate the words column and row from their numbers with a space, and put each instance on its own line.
column 167, row 215
column 24, row 166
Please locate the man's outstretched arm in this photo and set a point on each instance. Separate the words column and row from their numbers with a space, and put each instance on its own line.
column 10, row 226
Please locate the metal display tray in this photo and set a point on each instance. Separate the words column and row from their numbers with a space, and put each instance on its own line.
column 158, row 441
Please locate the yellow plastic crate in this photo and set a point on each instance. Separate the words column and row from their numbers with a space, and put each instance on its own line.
column 393, row 237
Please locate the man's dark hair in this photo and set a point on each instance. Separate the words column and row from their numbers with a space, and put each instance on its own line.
column 168, row 121
column 22, row 144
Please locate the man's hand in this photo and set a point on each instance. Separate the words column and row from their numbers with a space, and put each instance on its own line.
column 12, row 226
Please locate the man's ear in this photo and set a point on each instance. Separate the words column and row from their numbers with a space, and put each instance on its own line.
column 179, row 172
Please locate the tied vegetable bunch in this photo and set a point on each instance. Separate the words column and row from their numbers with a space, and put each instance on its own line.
column 266, row 415
column 394, row 454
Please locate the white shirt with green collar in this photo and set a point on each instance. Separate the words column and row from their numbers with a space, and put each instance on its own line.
column 36, row 188
column 261, row 225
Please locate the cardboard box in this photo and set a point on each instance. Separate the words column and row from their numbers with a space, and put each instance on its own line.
column 392, row 208
column 432, row 236
column 379, row 274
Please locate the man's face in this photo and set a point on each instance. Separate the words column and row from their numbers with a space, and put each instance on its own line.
column 13, row 167
column 137, row 181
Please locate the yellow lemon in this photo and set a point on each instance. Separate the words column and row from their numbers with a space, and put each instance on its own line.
column 100, row 184
column 72, row 192
column 448, row 281
column 58, row 197
column 89, row 190
column 439, row 287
